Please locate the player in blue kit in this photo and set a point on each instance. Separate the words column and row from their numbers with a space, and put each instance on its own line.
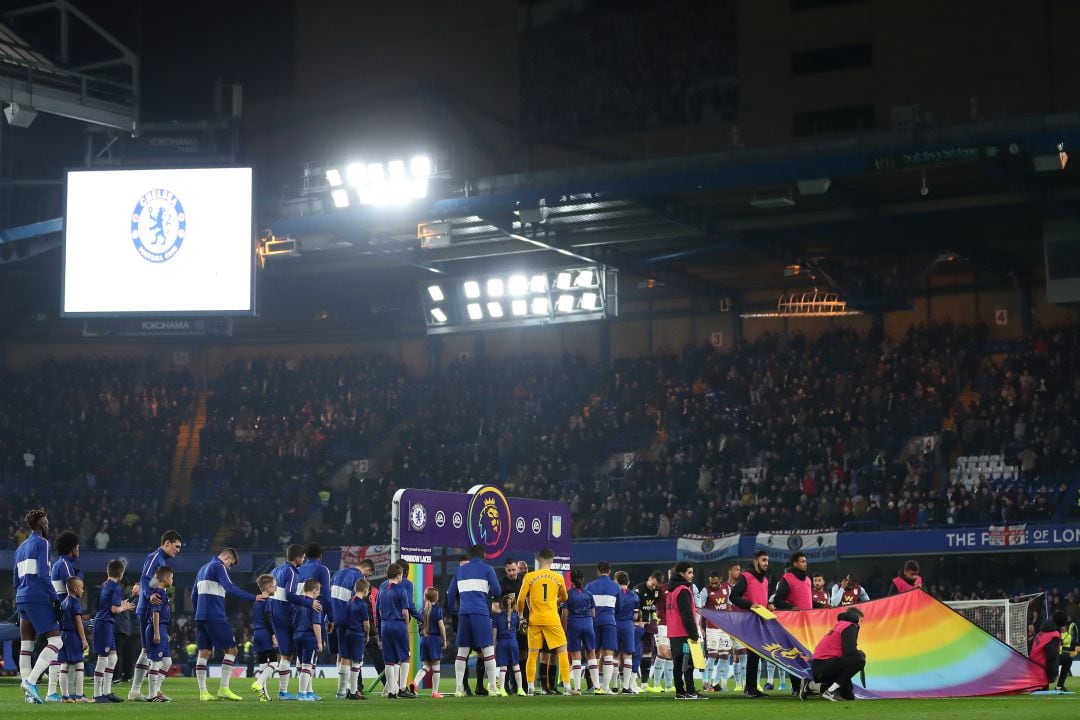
column 354, row 629
column 282, row 604
column 504, row 629
column 604, row 591
column 472, row 591
column 264, row 643
column 392, row 608
column 72, row 670
column 639, row 651
column 314, row 569
column 66, row 566
column 212, row 629
column 110, row 603
column 170, row 545
column 308, row 641
column 626, row 612
column 156, row 637
column 341, row 592
column 37, row 603
column 580, row 635
column 432, row 643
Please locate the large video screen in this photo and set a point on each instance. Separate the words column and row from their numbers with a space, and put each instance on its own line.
column 159, row 242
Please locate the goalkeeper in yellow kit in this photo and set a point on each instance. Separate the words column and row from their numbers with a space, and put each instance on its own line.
column 542, row 590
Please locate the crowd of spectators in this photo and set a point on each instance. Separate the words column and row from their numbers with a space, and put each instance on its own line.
column 821, row 422
column 778, row 433
column 93, row 439
column 667, row 68
column 278, row 429
column 1027, row 404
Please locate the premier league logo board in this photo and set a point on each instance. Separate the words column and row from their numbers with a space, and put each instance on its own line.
column 426, row 519
column 176, row 241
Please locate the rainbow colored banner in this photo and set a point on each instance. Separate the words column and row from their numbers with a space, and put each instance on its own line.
column 422, row 576
column 916, row 647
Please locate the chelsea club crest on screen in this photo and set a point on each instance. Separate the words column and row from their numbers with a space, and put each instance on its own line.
column 158, row 225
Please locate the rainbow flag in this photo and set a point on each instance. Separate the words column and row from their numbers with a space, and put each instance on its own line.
column 916, row 647
column 422, row 576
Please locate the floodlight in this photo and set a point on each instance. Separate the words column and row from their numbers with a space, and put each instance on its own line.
column 519, row 308
column 495, row 309
column 540, row 306
column 355, row 174
column 418, row 188
column 518, row 285
column 420, row 166
column 333, row 176
column 375, row 173
column 563, row 281
column 585, row 278
column 495, row 287
column 472, row 289
column 589, row 301
column 340, row 197
column 438, row 315
column 396, row 169
column 475, row 313
column 565, row 303
column 436, row 293
column 538, row 284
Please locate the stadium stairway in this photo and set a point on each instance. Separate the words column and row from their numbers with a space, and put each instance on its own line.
column 188, row 446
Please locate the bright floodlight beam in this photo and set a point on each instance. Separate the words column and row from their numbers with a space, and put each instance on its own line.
column 540, row 306
column 340, row 196
column 495, row 310
column 472, row 289
column 495, row 287
column 436, row 293
column 519, row 308
column 538, row 284
column 589, row 301
column 565, row 303
column 563, row 281
column 475, row 311
column 438, row 315
column 356, row 174
column 585, row 278
column 333, row 177
column 518, row 285
column 420, row 167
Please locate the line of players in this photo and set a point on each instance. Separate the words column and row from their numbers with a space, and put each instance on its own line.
column 608, row 630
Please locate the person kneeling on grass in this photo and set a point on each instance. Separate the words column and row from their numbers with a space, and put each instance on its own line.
column 1046, row 647
column 837, row 658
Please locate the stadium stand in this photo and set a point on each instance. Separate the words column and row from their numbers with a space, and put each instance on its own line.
column 782, row 432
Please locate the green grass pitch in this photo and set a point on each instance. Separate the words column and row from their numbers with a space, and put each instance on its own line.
column 185, row 705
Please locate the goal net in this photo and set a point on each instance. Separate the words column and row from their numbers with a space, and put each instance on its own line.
column 1007, row 620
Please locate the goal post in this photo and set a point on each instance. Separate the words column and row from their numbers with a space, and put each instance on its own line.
column 1007, row 620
